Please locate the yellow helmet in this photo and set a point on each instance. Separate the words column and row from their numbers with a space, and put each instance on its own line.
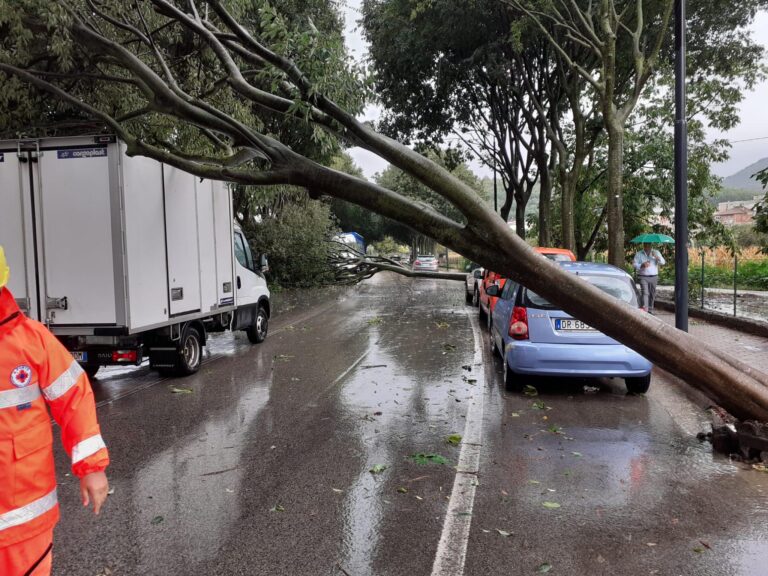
column 4, row 270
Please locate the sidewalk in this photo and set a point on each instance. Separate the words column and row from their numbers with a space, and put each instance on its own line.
column 748, row 348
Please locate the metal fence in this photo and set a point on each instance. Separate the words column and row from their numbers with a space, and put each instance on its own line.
column 716, row 282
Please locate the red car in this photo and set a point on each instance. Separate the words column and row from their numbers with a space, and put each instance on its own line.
column 488, row 303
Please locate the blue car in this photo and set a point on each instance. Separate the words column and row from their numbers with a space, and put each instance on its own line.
column 535, row 338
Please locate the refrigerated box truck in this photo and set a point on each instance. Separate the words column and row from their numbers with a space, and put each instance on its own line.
column 125, row 258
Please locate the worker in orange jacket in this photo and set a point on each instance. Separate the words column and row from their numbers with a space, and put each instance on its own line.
column 37, row 371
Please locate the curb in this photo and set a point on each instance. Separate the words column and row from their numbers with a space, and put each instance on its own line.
column 754, row 327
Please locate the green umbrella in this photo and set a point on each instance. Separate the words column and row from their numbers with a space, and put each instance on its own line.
column 653, row 239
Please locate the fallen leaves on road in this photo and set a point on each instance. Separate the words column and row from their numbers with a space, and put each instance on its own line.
column 378, row 468
column 277, row 508
column 454, row 439
column 555, row 429
column 422, row 458
column 544, row 568
column 539, row 405
column 448, row 347
column 760, row 467
column 577, row 454
column 402, row 490
column 156, row 520
column 337, row 490
column 283, row 357
column 442, row 325
column 375, row 321
column 176, row 390
column 504, row 533
column 530, row 390
column 550, row 505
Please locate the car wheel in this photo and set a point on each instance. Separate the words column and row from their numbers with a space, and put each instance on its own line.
column 638, row 385
column 190, row 353
column 468, row 297
column 512, row 380
column 494, row 347
column 257, row 332
column 489, row 321
column 476, row 298
column 482, row 314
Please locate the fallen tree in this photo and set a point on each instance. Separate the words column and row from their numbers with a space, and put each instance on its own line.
column 151, row 48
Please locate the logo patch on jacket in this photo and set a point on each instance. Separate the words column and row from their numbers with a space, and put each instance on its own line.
column 21, row 376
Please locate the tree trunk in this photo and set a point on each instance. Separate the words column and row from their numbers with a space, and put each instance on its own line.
column 520, row 219
column 545, row 203
column 567, row 221
column 615, row 195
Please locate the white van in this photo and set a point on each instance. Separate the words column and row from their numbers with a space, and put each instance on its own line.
column 125, row 258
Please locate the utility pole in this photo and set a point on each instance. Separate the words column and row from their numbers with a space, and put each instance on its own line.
column 681, row 174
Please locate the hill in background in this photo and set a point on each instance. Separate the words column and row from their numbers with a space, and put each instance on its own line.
column 743, row 179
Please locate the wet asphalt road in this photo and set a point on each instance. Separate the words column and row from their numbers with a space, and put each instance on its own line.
column 264, row 465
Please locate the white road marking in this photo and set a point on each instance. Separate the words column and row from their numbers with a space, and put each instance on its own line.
column 452, row 548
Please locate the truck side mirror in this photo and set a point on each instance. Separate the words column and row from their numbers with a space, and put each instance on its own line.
column 263, row 263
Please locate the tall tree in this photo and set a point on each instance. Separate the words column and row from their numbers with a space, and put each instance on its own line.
column 130, row 46
column 452, row 67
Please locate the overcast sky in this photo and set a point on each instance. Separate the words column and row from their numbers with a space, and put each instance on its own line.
column 749, row 138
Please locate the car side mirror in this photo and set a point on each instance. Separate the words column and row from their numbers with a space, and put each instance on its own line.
column 478, row 273
column 492, row 290
column 263, row 263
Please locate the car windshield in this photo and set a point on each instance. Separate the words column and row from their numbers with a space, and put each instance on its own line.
column 618, row 287
column 425, row 258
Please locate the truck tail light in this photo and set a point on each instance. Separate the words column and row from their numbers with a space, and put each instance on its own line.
column 124, row 356
column 518, row 323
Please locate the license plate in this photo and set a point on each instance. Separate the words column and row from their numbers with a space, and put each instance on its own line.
column 567, row 324
column 80, row 356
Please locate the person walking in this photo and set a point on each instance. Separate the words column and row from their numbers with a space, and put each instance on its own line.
column 38, row 374
column 646, row 263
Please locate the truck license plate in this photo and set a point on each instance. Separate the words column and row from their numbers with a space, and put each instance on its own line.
column 80, row 356
column 574, row 325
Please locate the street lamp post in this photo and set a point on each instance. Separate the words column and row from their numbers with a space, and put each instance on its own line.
column 681, row 174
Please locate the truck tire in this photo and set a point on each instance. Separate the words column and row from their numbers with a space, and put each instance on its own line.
column 257, row 332
column 90, row 370
column 190, row 352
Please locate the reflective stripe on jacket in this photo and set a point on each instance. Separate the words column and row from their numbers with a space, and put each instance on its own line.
column 35, row 371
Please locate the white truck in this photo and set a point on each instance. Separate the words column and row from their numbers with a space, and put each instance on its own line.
column 125, row 258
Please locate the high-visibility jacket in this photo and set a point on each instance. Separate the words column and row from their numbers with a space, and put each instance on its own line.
column 37, row 371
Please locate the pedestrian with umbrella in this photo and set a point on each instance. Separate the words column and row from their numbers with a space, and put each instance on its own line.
column 646, row 264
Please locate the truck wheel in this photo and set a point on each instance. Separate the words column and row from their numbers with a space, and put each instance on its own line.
column 190, row 352
column 257, row 332
column 638, row 385
column 90, row 369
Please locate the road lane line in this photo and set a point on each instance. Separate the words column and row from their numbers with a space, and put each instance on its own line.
column 452, row 548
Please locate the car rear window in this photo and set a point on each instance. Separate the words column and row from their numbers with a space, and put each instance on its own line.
column 620, row 288
column 558, row 257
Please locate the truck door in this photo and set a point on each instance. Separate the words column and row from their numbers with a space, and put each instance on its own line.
column 18, row 228
column 247, row 281
column 79, row 235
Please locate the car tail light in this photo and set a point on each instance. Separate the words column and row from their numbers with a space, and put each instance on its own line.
column 416, row 262
column 124, row 356
column 518, row 324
